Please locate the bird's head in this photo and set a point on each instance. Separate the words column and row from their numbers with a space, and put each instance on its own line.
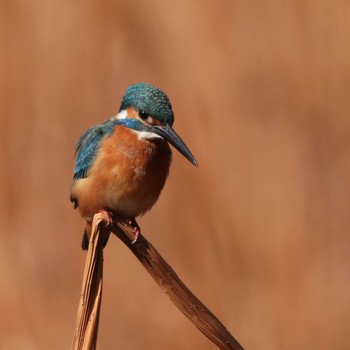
column 152, row 109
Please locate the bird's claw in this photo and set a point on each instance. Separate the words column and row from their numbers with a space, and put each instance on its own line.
column 107, row 217
column 136, row 230
column 135, row 227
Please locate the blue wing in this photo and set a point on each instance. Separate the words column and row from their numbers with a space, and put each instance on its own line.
column 89, row 143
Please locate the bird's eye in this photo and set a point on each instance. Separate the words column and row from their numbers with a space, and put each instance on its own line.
column 143, row 115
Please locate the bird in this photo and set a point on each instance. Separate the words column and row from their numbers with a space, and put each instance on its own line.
column 121, row 165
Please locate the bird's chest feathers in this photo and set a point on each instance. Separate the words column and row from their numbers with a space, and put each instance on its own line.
column 124, row 153
column 129, row 167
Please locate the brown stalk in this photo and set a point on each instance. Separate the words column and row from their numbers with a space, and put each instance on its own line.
column 161, row 272
column 85, row 335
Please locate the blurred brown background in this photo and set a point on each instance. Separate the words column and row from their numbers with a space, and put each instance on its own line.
column 260, row 231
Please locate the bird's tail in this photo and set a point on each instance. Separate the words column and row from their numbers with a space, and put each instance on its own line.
column 85, row 241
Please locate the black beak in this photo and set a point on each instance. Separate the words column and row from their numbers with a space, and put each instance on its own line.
column 168, row 133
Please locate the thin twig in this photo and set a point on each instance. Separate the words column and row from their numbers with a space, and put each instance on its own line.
column 85, row 335
column 178, row 293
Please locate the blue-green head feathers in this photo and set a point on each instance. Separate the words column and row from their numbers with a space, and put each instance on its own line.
column 146, row 97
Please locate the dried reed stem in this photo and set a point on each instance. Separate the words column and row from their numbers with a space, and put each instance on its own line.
column 178, row 293
column 85, row 335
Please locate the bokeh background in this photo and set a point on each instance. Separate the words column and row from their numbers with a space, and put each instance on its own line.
column 259, row 232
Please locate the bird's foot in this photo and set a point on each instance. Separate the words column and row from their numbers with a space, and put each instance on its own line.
column 137, row 231
column 135, row 227
column 108, row 217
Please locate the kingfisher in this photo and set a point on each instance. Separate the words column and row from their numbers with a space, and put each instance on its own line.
column 122, row 164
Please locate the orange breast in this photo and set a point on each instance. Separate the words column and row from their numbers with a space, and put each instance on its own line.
column 127, row 176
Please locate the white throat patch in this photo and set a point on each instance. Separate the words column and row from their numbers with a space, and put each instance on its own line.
column 141, row 135
column 146, row 135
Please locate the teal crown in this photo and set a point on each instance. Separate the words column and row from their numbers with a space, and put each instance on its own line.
column 153, row 101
